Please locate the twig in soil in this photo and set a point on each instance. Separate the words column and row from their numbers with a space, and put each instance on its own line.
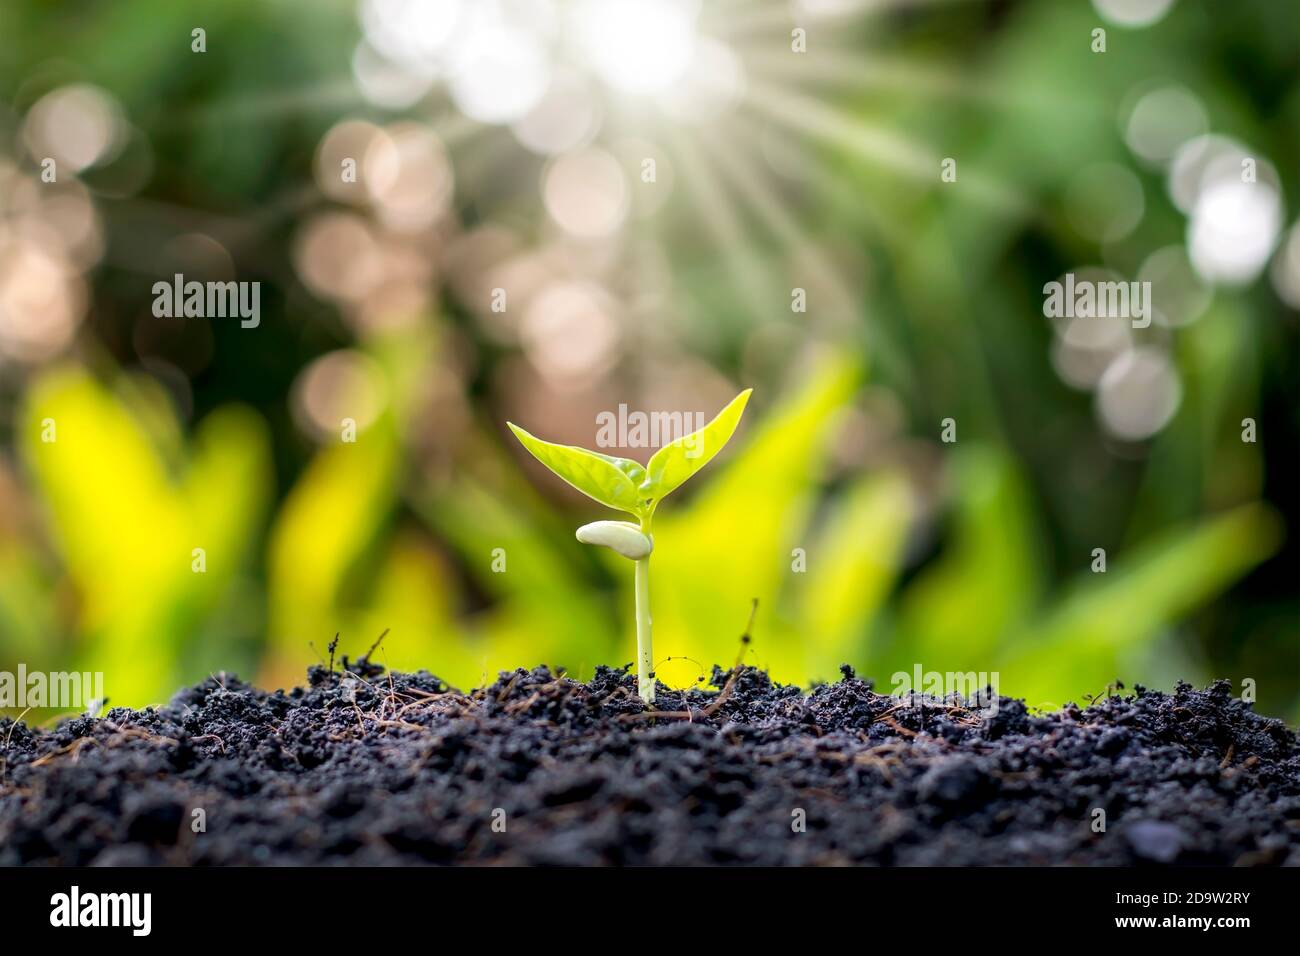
column 505, row 691
column 896, row 726
column 727, row 688
column 712, row 707
column 119, row 733
column 8, row 737
column 966, row 718
column 708, row 710
column 874, row 758
column 333, row 646
column 745, row 638
column 550, row 691
column 365, row 658
column 884, row 714
column 618, row 693
column 361, row 679
column 73, row 748
column 1108, row 692
column 430, row 695
column 524, row 704
column 390, row 700
column 405, row 724
column 426, row 697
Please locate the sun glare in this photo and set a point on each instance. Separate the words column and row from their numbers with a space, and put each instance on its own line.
column 637, row 46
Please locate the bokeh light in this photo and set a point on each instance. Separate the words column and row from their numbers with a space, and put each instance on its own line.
column 1233, row 229
column 408, row 176
column 78, row 126
column 502, row 73
column 337, row 256
column 1087, row 346
column 1162, row 120
column 586, row 193
column 566, row 117
column 42, row 301
column 1286, row 269
column 1138, row 393
column 1132, row 13
column 340, row 385
column 1178, row 294
column 570, row 334
column 340, row 157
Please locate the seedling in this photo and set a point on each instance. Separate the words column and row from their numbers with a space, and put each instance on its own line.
column 627, row 486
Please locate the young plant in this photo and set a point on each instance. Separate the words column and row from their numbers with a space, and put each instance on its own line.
column 625, row 485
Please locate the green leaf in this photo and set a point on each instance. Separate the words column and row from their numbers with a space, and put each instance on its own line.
column 856, row 561
column 633, row 469
column 602, row 477
column 1108, row 625
column 746, row 519
column 671, row 465
column 988, row 579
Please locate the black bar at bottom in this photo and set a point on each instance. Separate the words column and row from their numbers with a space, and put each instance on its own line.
column 655, row 905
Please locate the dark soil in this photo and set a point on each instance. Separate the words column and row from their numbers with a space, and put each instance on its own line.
column 370, row 768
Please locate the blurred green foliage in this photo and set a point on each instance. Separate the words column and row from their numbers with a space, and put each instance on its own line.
column 336, row 562
column 978, row 558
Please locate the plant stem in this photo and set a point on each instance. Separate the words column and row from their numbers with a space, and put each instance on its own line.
column 645, row 682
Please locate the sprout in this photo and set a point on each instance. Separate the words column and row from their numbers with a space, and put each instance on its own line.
column 625, row 485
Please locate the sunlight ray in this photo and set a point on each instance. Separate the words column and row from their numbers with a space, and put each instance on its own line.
column 770, row 17
column 719, row 217
column 844, row 305
column 846, row 72
column 806, row 114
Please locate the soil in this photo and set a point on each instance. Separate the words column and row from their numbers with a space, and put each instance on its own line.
column 365, row 767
